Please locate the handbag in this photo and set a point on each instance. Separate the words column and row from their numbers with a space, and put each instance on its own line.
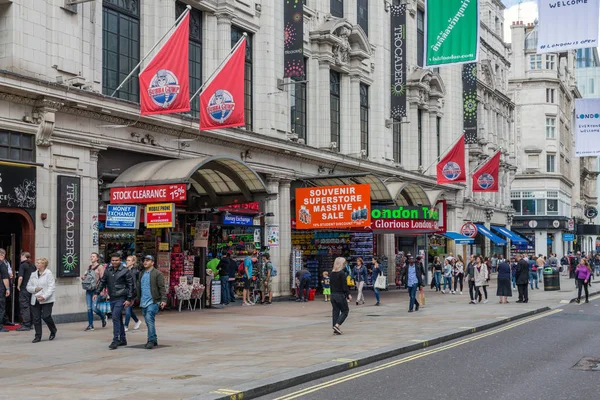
column 381, row 282
column 421, row 297
column 350, row 281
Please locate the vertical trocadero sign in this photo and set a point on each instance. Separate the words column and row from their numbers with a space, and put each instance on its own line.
column 451, row 32
column 398, row 33
column 567, row 25
column 293, row 39
column 69, row 226
column 587, row 127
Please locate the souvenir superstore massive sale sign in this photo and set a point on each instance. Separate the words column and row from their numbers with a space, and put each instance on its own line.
column 148, row 194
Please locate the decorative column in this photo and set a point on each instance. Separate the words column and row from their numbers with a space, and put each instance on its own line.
column 389, row 250
column 209, row 41
column 285, row 237
column 430, row 152
column 224, row 32
column 272, row 207
column 323, row 133
column 350, row 127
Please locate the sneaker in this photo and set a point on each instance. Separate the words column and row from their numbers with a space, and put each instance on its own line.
column 126, row 329
column 89, row 328
column 460, row 292
column 587, row 301
column 137, row 325
column 443, row 291
column 113, row 345
column 485, row 301
column 453, row 292
column 104, row 321
column 149, row 345
column 337, row 330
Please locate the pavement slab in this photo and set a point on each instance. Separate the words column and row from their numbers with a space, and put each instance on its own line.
column 214, row 353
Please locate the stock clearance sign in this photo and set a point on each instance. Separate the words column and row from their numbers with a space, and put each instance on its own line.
column 148, row 194
column 333, row 207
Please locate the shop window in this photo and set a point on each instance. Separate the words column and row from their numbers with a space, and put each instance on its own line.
column 337, row 8
column 364, row 118
column 420, row 37
column 16, row 146
column 298, row 106
column 236, row 35
column 334, row 107
column 120, row 47
column 363, row 15
column 195, row 58
column 552, row 207
column 516, row 204
column 397, row 132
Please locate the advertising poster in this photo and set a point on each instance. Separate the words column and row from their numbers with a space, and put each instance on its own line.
column 68, row 226
column 293, row 39
column 201, row 235
column 272, row 237
column 160, row 215
column 469, row 81
column 587, row 127
column 333, row 207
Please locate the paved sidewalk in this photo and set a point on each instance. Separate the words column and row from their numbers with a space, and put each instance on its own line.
column 217, row 352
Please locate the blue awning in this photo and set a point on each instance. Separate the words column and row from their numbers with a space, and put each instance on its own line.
column 458, row 238
column 486, row 232
column 507, row 233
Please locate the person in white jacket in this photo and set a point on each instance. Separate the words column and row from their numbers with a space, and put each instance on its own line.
column 481, row 276
column 41, row 285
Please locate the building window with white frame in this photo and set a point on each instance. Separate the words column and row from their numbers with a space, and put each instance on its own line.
column 550, row 163
column 550, row 61
column 550, row 95
column 535, row 61
column 550, row 127
column 364, row 118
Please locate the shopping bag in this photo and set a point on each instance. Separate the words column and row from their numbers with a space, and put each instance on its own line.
column 350, row 281
column 421, row 297
column 381, row 282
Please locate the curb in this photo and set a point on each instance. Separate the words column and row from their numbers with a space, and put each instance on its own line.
column 280, row 382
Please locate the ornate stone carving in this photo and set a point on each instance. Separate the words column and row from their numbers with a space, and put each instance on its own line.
column 341, row 51
column 45, row 113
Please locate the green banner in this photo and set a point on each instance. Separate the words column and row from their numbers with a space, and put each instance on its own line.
column 451, row 32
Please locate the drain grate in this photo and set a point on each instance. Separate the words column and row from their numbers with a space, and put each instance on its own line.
column 587, row 364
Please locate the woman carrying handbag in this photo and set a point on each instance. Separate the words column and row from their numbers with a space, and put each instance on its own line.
column 379, row 280
column 42, row 285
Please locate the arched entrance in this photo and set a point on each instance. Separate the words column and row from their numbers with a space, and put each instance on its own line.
column 17, row 233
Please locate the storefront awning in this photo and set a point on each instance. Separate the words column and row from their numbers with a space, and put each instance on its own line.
column 379, row 191
column 210, row 176
column 458, row 238
column 486, row 232
column 507, row 233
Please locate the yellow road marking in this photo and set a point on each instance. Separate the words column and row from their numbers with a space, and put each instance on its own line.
column 343, row 360
column 425, row 353
column 565, row 301
column 417, row 340
column 226, row 391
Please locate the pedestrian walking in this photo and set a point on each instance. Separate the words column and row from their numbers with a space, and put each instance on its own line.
column 89, row 282
column 412, row 278
column 247, row 278
column 522, row 279
column 503, row 291
column 540, row 264
column 447, row 276
column 374, row 275
column 564, row 265
column 25, row 271
column 597, row 265
column 223, row 269
column 131, row 264
column 152, row 293
column 359, row 274
column 470, row 276
column 233, row 269
column 533, row 276
column 437, row 273
column 582, row 277
column 513, row 273
column 42, row 285
column 459, row 273
column 481, row 276
column 119, row 282
column 266, row 279
column 340, row 295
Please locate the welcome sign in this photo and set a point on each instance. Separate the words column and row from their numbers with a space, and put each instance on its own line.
column 587, row 127
column 69, row 226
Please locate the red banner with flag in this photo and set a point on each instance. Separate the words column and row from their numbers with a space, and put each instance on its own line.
column 222, row 100
column 451, row 168
column 165, row 82
column 485, row 179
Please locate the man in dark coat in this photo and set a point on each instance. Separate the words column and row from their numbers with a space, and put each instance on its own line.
column 522, row 279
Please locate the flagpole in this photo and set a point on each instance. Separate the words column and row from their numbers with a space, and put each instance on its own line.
column 183, row 14
column 437, row 159
column 484, row 162
column 209, row 80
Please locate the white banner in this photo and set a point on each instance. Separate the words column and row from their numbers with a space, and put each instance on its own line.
column 587, row 127
column 567, row 25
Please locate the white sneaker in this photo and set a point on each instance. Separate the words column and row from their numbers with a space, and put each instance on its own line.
column 444, row 292
column 453, row 292
column 126, row 329
column 460, row 292
column 137, row 325
column 485, row 302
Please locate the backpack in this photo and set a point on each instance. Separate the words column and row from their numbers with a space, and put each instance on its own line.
column 89, row 280
column 241, row 268
column 273, row 270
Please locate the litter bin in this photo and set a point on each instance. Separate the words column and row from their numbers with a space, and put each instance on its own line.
column 551, row 279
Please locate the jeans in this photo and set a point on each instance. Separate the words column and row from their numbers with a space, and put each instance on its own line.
column 514, row 281
column 25, row 306
column 129, row 313
column 458, row 279
column 533, row 276
column 412, row 291
column 42, row 312
column 360, row 296
column 340, row 308
column 92, row 307
column 304, row 285
column 580, row 285
column 224, row 289
column 231, row 290
column 116, row 307
column 448, row 280
column 540, row 275
column 597, row 269
column 376, row 290
column 472, row 289
column 438, row 280
column 149, row 316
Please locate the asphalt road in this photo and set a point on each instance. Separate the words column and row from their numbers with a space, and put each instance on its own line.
column 533, row 358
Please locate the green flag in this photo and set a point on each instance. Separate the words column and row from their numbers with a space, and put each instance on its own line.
column 451, row 32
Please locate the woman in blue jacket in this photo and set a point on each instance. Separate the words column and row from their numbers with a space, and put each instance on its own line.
column 359, row 274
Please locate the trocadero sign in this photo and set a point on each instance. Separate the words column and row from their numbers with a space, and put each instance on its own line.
column 69, row 226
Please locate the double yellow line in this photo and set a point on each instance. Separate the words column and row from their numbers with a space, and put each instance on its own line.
column 422, row 354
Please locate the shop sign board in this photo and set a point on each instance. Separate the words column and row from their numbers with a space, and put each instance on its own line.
column 231, row 219
column 405, row 213
column 69, row 226
column 17, row 185
column 253, row 206
column 414, row 225
column 149, row 194
column 568, row 237
column 333, row 207
column 160, row 215
column 121, row 216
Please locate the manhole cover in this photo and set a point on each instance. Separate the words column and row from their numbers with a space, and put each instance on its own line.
column 182, row 377
column 587, row 364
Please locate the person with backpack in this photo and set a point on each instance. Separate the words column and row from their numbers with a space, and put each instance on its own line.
column 246, row 272
column 89, row 282
column 266, row 278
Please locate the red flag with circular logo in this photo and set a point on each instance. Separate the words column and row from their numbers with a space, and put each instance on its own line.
column 164, row 83
column 451, row 168
column 222, row 100
column 485, row 179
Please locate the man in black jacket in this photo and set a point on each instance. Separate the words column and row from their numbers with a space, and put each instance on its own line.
column 412, row 278
column 119, row 281
column 522, row 279
column 25, row 271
